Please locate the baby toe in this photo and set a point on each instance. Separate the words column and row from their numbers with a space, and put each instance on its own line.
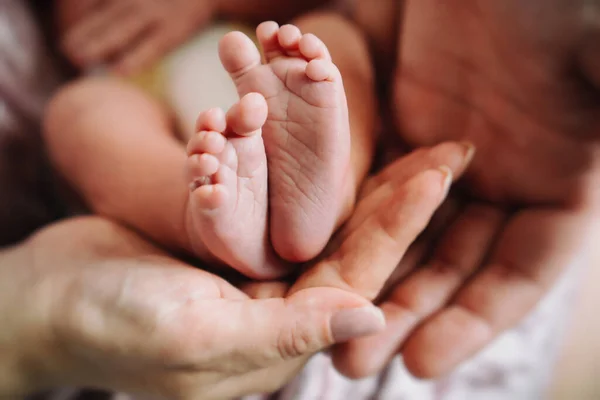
column 210, row 197
column 211, row 120
column 238, row 54
column 206, row 142
column 248, row 116
column 267, row 35
column 201, row 165
column 322, row 70
column 311, row 47
column 289, row 39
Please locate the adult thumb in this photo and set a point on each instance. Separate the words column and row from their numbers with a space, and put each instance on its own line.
column 274, row 330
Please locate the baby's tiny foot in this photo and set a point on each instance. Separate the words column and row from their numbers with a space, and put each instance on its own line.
column 307, row 134
column 227, row 208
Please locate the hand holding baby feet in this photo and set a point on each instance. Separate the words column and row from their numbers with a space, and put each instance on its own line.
column 306, row 134
column 228, row 203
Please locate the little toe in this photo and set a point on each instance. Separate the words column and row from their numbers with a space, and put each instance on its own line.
column 238, row 54
column 322, row 70
column 210, row 197
column 289, row 39
column 206, row 142
column 201, row 165
column 211, row 120
column 311, row 48
column 267, row 35
column 247, row 117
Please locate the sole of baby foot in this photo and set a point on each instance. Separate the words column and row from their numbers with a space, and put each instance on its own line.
column 228, row 204
column 307, row 133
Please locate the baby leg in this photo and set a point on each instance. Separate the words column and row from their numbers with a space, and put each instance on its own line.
column 117, row 148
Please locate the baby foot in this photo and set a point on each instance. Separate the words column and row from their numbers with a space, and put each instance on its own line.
column 227, row 207
column 307, row 134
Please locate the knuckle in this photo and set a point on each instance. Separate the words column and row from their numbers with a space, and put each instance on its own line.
column 294, row 342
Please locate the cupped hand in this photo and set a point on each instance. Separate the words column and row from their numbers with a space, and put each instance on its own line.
column 507, row 77
column 92, row 304
column 129, row 35
column 89, row 303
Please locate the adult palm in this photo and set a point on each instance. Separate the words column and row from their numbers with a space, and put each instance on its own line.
column 518, row 80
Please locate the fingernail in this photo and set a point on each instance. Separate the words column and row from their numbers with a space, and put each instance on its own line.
column 355, row 323
column 470, row 150
column 448, row 178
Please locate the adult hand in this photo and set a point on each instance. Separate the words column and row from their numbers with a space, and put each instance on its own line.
column 86, row 302
column 514, row 79
column 128, row 35
column 89, row 303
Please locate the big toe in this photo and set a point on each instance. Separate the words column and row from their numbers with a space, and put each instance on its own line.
column 238, row 53
column 248, row 115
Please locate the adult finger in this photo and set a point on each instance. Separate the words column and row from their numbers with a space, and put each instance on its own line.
column 234, row 337
column 124, row 31
column 422, row 250
column 426, row 290
column 457, row 156
column 269, row 331
column 373, row 243
column 148, row 49
column 532, row 252
column 95, row 25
